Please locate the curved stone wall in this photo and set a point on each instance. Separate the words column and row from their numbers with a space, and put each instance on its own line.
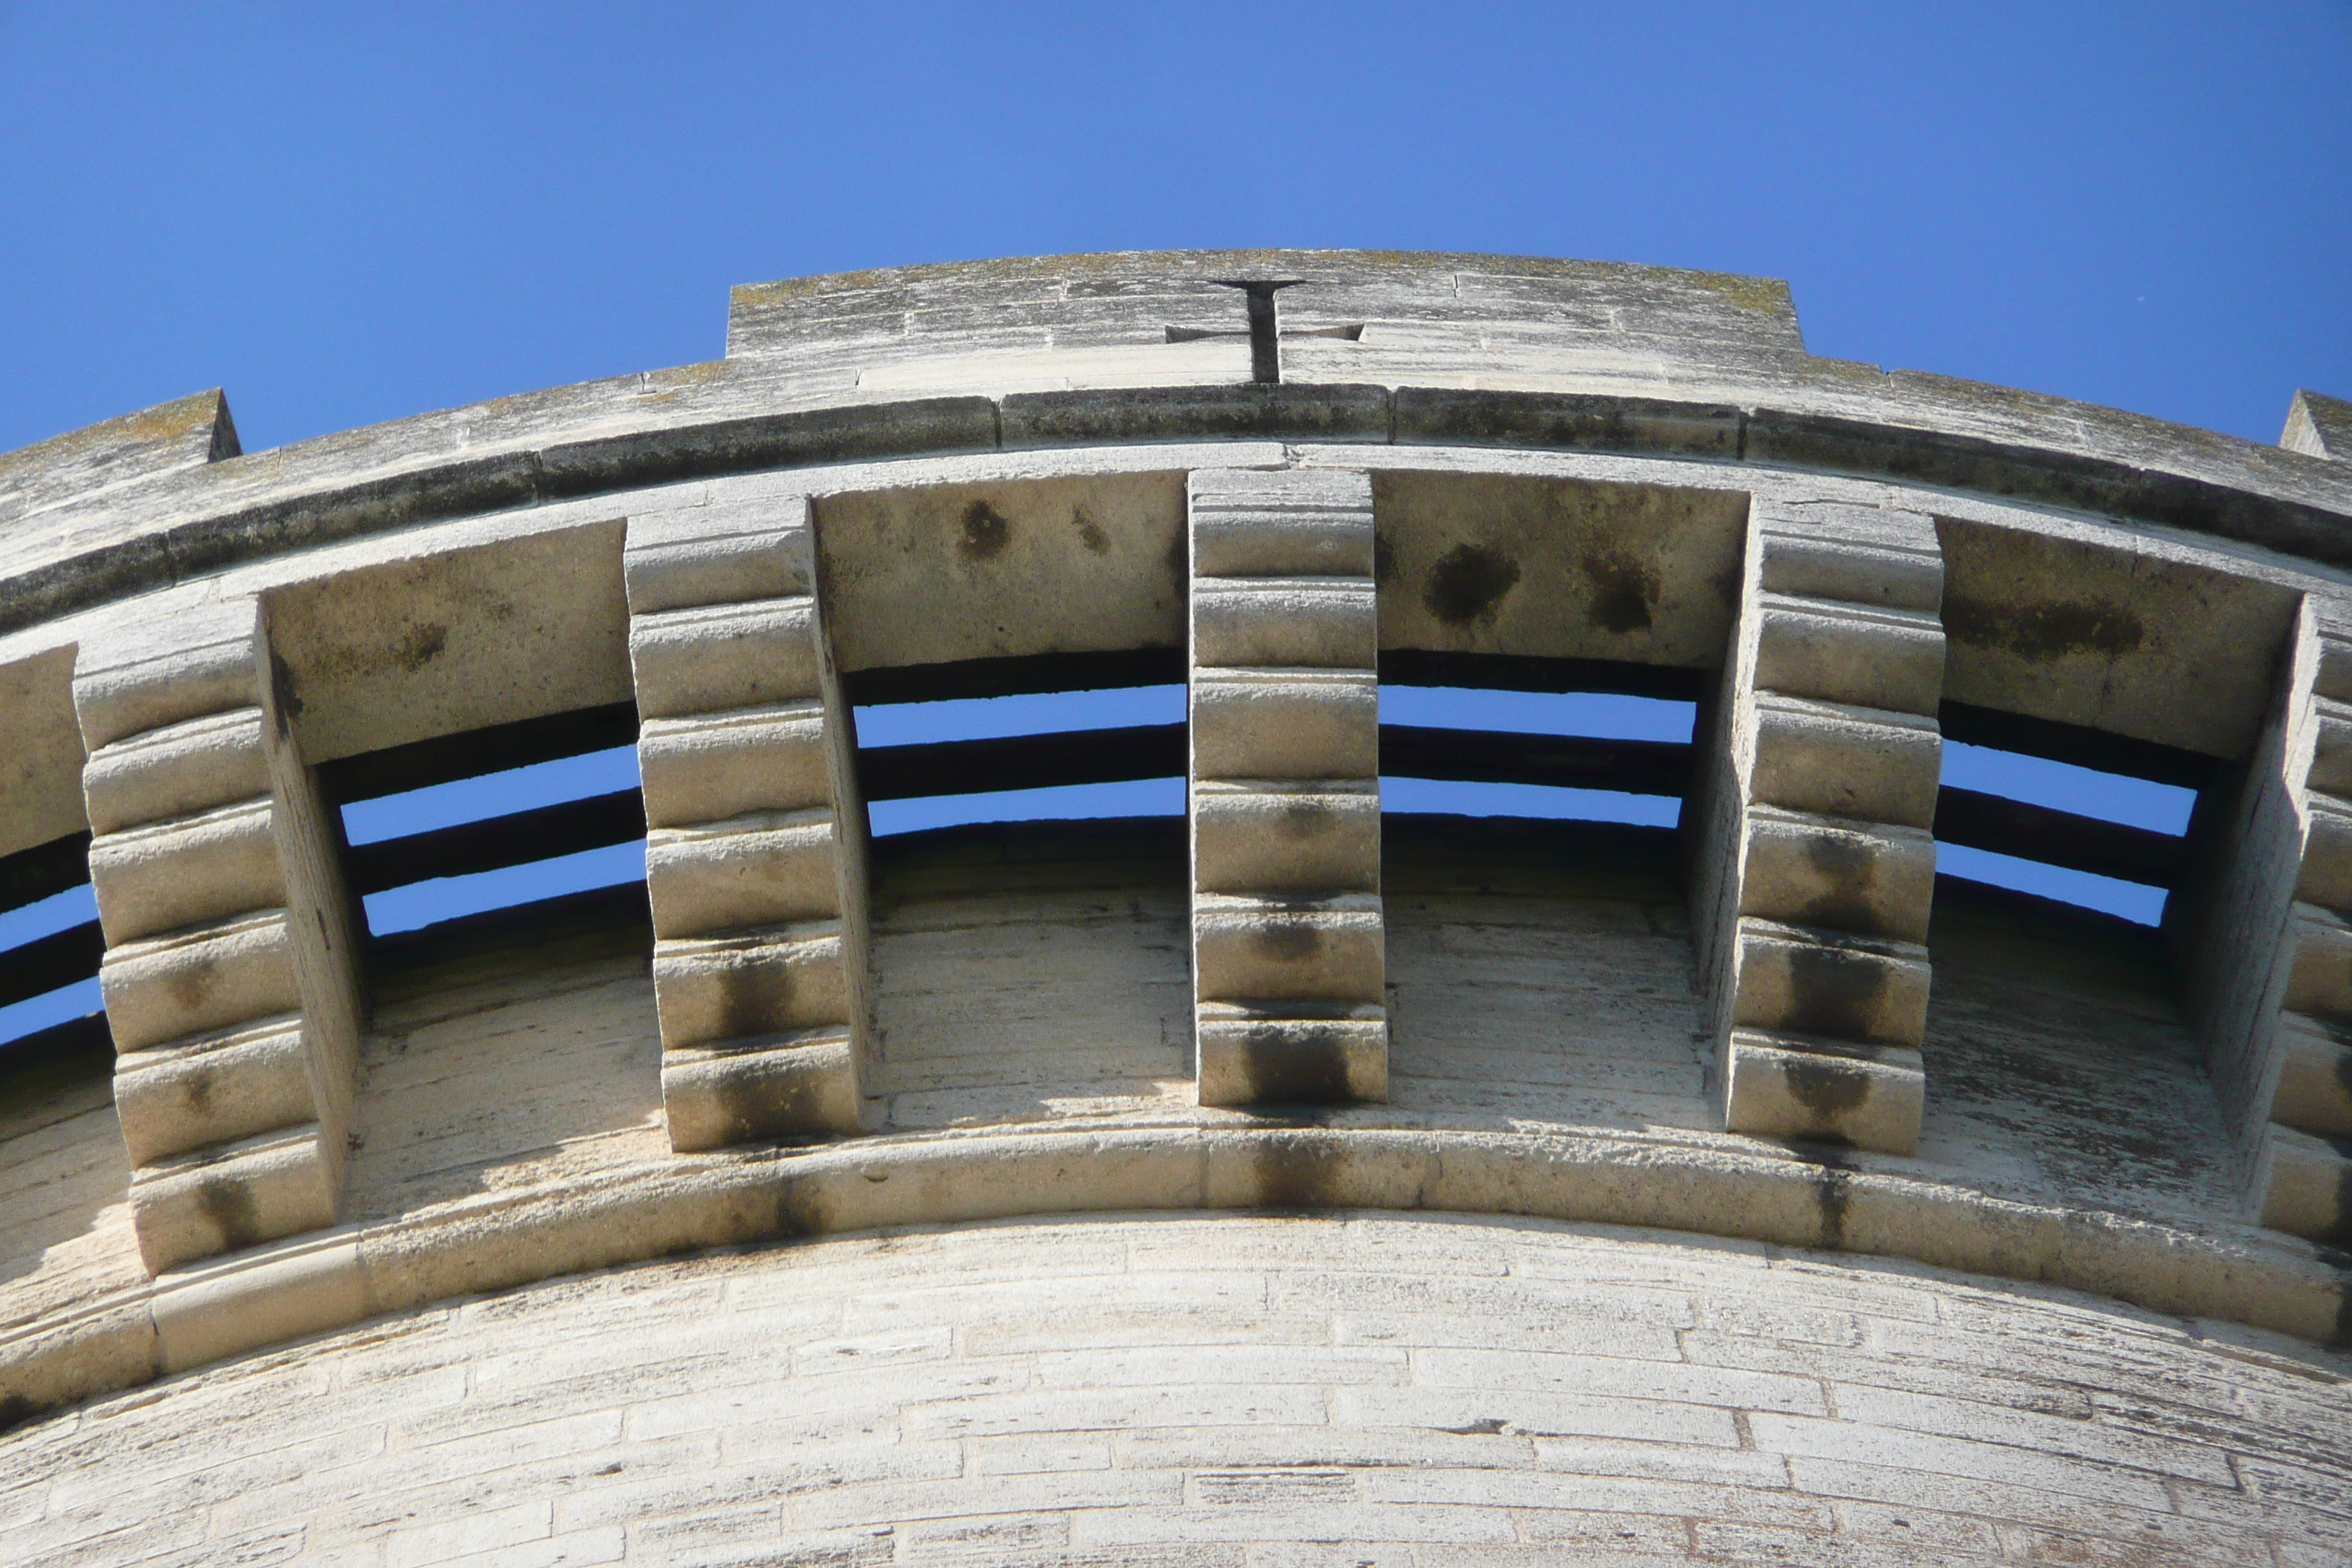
column 1774, row 1026
column 1217, row 1389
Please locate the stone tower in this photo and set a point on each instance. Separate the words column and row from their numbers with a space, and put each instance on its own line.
column 1277, row 1180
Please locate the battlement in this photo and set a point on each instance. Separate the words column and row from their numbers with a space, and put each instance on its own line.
column 1278, row 489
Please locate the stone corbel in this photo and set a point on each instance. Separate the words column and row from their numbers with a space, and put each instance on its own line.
column 2272, row 976
column 755, row 857
column 1817, row 862
column 230, row 977
column 1288, row 941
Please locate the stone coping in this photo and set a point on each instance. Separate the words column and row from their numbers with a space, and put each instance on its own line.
column 209, row 537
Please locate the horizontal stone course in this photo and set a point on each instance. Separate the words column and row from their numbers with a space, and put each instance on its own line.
column 691, row 1410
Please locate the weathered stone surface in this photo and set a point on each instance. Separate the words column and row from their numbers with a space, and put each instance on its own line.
column 220, row 914
column 2318, row 426
column 1188, row 1389
column 1287, row 935
column 755, row 864
column 1011, row 474
column 1816, row 869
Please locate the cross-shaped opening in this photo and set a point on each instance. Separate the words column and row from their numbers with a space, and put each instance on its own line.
column 1264, row 331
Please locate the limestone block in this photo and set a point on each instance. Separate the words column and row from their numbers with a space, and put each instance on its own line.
column 1838, row 761
column 235, row 1196
column 1836, row 652
column 1825, row 1092
column 2325, row 875
column 716, row 657
column 1285, row 837
column 725, row 552
column 760, row 983
column 1286, row 724
column 1324, row 623
column 2319, row 962
column 1290, row 1053
column 2301, row 1183
column 2313, row 1090
column 717, row 765
column 778, row 1085
column 213, row 1088
column 2331, row 755
column 163, row 874
column 182, row 663
column 765, row 868
column 199, row 978
column 209, row 1313
column 1818, row 981
column 1854, row 554
column 1871, row 879
column 1287, row 522
column 1326, row 948
column 177, row 770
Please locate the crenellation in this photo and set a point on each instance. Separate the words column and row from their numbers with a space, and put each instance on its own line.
column 755, row 858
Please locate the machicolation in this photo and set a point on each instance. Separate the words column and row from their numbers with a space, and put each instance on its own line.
column 545, row 1030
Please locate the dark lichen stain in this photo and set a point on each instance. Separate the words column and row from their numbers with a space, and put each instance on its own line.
column 420, row 646
column 1287, row 942
column 1383, row 558
column 986, row 532
column 1303, row 819
column 1291, row 1066
column 191, row 986
column 1467, row 582
column 799, row 1211
column 754, row 998
column 1091, row 532
column 197, row 1092
column 2039, row 633
column 1484, row 1426
column 1851, row 872
column 1294, row 1172
column 1833, row 1195
column 1624, row 591
column 764, row 1100
column 1835, row 990
column 1829, row 1088
column 283, row 696
column 227, row 1203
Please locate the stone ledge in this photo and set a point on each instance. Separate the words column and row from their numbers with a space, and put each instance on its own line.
column 1748, row 432
column 1208, row 1161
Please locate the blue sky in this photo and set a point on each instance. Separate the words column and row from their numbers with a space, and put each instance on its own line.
column 349, row 214
column 352, row 214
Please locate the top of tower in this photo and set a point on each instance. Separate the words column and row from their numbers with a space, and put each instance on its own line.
column 1144, row 316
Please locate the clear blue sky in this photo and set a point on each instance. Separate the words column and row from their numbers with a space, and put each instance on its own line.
column 347, row 214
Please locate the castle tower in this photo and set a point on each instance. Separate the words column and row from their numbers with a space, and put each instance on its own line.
column 1253, row 1165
